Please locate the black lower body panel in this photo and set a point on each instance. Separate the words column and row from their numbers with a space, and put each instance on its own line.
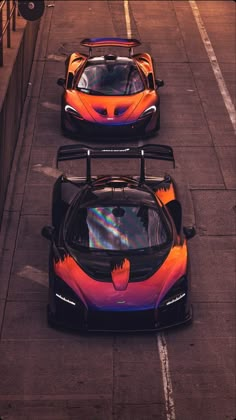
column 80, row 319
column 85, row 129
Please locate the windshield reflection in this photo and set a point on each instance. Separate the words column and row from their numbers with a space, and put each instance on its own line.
column 110, row 79
column 117, row 228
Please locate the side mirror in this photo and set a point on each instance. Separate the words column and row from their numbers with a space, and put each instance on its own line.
column 189, row 231
column 48, row 232
column 159, row 82
column 61, row 81
column 175, row 210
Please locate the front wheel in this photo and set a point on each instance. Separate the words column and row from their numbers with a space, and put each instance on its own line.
column 65, row 131
column 63, row 127
column 158, row 123
column 50, row 318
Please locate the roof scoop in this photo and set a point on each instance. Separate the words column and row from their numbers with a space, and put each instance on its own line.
column 118, row 211
column 110, row 57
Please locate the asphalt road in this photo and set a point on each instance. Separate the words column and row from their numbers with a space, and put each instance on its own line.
column 183, row 374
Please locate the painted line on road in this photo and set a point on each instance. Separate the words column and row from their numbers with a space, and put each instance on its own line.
column 47, row 170
column 161, row 342
column 34, row 274
column 167, row 384
column 54, row 57
column 127, row 19
column 214, row 63
column 50, row 105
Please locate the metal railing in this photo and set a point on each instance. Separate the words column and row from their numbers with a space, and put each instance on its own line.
column 7, row 24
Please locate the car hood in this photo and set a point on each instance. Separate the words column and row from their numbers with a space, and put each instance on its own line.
column 107, row 109
column 119, row 293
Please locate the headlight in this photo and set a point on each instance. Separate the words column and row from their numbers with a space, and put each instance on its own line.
column 175, row 298
column 177, row 292
column 64, row 292
column 148, row 111
column 65, row 299
column 73, row 112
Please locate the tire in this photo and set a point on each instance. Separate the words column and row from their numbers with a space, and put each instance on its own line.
column 158, row 123
column 65, row 132
column 50, row 318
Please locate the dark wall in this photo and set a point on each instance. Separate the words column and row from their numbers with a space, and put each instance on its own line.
column 12, row 104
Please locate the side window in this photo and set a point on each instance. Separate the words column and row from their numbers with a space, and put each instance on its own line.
column 83, row 81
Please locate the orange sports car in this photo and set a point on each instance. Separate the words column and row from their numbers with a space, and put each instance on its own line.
column 110, row 95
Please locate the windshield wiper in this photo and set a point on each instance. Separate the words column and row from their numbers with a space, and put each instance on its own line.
column 91, row 91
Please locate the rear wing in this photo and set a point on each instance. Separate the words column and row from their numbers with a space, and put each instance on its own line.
column 148, row 151
column 110, row 42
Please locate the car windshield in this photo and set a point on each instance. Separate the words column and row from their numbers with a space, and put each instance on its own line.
column 110, row 79
column 117, row 228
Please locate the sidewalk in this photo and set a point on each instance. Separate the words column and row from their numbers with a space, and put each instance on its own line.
column 14, row 75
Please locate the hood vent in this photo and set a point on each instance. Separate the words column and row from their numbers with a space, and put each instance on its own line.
column 101, row 111
column 120, row 110
column 101, row 270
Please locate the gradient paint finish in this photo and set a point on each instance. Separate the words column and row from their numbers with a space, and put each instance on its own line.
column 137, row 296
column 76, row 62
column 120, row 275
column 166, row 194
column 87, row 104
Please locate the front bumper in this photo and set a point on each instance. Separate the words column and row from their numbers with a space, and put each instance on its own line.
column 135, row 129
column 79, row 318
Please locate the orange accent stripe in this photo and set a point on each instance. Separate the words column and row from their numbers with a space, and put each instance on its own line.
column 166, row 195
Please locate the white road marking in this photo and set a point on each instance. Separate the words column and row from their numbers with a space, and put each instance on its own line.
column 214, row 64
column 47, row 170
column 127, row 19
column 52, row 106
column 54, row 57
column 34, row 274
column 167, row 384
column 161, row 342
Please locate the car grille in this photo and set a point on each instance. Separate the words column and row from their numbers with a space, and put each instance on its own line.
column 135, row 129
column 121, row 321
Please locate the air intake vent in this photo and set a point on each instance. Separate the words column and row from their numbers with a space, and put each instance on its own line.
column 77, row 59
column 120, row 110
column 143, row 59
column 101, row 111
